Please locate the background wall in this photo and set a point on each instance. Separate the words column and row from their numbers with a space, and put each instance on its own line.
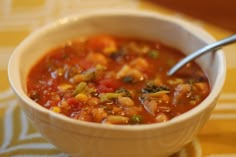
column 217, row 12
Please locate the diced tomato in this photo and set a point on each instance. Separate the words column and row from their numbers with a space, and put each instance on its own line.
column 72, row 101
column 109, row 82
column 85, row 64
column 75, row 104
column 104, row 89
column 107, row 85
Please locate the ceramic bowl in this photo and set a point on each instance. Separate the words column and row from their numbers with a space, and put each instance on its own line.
column 85, row 139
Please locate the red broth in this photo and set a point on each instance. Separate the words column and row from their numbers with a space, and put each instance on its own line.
column 111, row 80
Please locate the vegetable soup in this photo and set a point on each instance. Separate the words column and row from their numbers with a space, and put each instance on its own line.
column 115, row 80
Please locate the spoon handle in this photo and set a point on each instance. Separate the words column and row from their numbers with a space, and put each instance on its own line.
column 208, row 48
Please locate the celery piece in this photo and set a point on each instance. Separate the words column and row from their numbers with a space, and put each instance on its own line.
column 108, row 96
column 79, row 88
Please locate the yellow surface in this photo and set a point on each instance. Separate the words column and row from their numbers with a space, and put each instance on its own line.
column 17, row 136
column 12, row 37
column 27, row 3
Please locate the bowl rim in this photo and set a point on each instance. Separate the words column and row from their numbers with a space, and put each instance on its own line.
column 197, row 31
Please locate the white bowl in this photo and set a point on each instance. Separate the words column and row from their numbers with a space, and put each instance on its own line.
column 84, row 139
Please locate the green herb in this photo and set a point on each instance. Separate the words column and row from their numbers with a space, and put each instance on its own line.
column 153, row 54
column 34, row 95
column 65, row 55
column 124, row 92
column 152, row 88
column 117, row 54
column 128, row 79
column 156, row 94
column 136, row 119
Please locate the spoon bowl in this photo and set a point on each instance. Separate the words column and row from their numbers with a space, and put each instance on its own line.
column 209, row 48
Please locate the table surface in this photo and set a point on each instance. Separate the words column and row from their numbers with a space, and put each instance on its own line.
column 18, row 138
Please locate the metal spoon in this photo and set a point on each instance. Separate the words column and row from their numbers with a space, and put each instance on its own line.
column 209, row 48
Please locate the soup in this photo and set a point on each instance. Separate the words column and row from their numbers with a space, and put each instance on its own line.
column 115, row 80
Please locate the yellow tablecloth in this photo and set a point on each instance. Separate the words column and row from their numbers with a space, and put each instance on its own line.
column 18, row 138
